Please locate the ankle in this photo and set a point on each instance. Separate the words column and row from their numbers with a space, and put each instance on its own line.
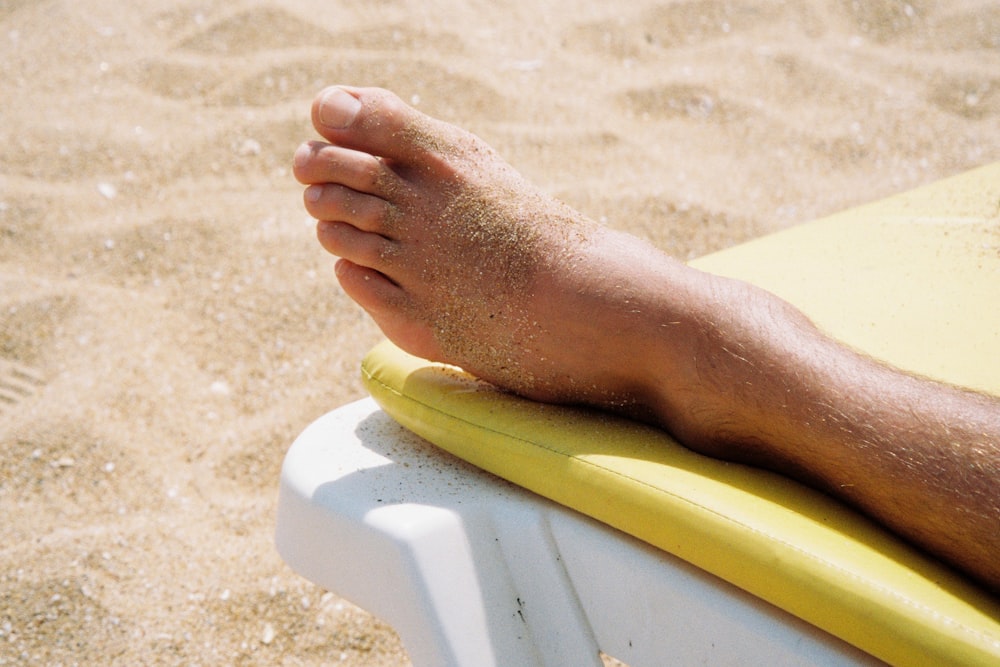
column 724, row 376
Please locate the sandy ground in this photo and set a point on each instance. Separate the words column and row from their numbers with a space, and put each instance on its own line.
column 168, row 323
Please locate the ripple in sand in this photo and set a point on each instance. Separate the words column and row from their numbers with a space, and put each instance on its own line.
column 17, row 382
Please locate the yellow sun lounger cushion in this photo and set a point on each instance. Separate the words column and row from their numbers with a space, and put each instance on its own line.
column 914, row 280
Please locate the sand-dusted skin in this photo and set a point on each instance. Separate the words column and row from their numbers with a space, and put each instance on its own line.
column 458, row 259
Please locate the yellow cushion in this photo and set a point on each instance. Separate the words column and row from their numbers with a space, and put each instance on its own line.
column 915, row 280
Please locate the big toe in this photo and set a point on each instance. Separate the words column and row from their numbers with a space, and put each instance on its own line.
column 372, row 120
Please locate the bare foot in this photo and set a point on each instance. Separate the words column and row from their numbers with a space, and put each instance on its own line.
column 458, row 259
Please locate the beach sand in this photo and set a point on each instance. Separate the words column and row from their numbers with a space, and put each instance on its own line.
column 168, row 323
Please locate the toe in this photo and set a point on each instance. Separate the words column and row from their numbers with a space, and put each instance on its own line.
column 319, row 162
column 336, row 108
column 389, row 306
column 330, row 201
column 360, row 247
column 372, row 120
column 372, row 290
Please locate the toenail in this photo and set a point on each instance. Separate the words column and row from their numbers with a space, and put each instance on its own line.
column 337, row 108
column 313, row 193
column 302, row 155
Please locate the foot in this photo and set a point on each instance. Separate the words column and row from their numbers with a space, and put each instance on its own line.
column 460, row 260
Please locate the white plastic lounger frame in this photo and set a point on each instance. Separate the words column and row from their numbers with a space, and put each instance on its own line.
column 473, row 571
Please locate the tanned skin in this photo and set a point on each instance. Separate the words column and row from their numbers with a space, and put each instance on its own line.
column 458, row 259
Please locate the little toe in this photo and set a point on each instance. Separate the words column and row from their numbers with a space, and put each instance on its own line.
column 370, row 289
column 390, row 307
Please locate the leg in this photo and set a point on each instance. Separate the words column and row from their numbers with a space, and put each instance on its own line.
column 459, row 260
